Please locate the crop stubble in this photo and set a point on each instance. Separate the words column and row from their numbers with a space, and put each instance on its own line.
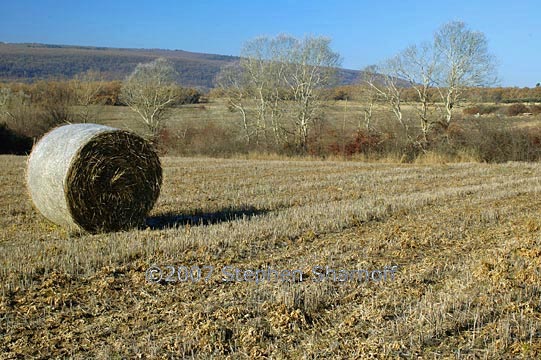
column 466, row 238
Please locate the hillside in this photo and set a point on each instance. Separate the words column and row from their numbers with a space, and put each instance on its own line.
column 30, row 62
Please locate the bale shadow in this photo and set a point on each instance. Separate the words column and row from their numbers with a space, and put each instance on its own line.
column 172, row 220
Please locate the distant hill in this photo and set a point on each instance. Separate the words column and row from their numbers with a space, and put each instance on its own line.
column 30, row 62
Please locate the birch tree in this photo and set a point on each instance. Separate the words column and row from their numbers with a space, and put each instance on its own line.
column 283, row 76
column 386, row 86
column 371, row 93
column 456, row 59
column 418, row 65
column 463, row 61
column 263, row 75
column 310, row 66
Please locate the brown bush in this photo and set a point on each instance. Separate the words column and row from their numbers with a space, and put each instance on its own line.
column 344, row 92
column 32, row 120
column 517, row 109
column 494, row 144
column 48, row 93
column 187, row 96
column 535, row 109
column 110, row 93
column 361, row 142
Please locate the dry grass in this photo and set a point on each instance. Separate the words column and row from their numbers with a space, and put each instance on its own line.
column 465, row 238
column 337, row 114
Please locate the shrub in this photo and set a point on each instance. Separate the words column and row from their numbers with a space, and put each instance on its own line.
column 187, row 96
column 494, row 144
column 362, row 142
column 535, row 109
column 33, row 121
column 110, row 93
column 517, row 109
column 340, row 94
column 480, row 109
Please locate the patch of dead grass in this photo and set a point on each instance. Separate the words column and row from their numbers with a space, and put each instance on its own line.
column 466, row 239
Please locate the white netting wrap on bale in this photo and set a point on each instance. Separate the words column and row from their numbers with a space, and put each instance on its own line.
column 93, row 177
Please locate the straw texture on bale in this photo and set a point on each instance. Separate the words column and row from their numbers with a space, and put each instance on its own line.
column 94, row 178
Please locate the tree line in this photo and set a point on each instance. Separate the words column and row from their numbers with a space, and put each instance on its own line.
column 276, row 87
column 279, row 90
column 284, row 80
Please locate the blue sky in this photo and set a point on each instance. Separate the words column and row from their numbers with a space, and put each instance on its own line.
column 363, row 32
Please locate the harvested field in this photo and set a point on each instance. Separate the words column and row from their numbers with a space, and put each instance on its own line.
column 465, row 238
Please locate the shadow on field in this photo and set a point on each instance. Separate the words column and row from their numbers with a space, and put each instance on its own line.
column 171, row 220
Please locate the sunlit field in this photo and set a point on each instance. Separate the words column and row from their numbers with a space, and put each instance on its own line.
column 463, row 240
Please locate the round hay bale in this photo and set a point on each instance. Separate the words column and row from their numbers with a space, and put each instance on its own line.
column 94, row 178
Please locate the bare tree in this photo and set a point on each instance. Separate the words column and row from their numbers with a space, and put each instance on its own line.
column 232, row 82
column 283, row 75
column 85, row 88
column 463, row 61
column 149, row 91
column 278, row 76
column 388, row 88
column 417, row 65
column 457, row 59
column 262, row 83
column 370, row 91
column 310, row 65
